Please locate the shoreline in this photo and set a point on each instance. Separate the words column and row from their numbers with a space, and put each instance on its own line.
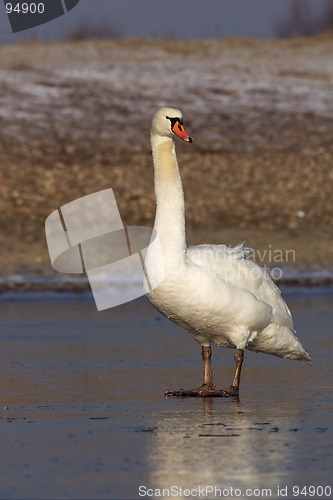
column 25, row 264
column 36, row 281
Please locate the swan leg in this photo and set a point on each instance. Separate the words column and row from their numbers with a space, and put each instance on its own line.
column 233, row 390
column 208, row 385
column 208, row 388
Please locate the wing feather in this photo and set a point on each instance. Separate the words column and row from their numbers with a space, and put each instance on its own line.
column 235, row 267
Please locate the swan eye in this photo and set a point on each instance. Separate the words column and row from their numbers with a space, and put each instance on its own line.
column 175, row 121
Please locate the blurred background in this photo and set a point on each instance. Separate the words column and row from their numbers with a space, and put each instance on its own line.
column 253, row 79
column 186, row 19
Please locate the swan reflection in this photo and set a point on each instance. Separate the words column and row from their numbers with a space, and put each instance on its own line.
column 206, row 442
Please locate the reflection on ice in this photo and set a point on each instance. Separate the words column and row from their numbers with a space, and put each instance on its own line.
column 72, row 377
column 225, row 445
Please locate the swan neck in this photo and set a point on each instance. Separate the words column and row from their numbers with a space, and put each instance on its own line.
column 170, row 208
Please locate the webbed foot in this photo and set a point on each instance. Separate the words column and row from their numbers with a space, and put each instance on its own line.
column 205, row 391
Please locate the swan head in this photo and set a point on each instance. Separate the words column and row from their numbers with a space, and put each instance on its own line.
column 168, row 122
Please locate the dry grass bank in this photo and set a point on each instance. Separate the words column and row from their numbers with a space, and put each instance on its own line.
column 75, row 116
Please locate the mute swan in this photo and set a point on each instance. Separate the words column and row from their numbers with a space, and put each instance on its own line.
column 215, row 292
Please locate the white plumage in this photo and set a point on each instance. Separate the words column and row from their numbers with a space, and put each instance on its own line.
column 215, row 292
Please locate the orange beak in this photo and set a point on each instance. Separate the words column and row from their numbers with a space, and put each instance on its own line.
column 180, row 131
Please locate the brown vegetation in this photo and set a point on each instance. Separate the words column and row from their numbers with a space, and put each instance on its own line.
column 75, row 120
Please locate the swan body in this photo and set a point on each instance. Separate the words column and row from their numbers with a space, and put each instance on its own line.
column 215, row 292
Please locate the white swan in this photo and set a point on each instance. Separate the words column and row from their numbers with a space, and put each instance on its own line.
column 215, row 292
